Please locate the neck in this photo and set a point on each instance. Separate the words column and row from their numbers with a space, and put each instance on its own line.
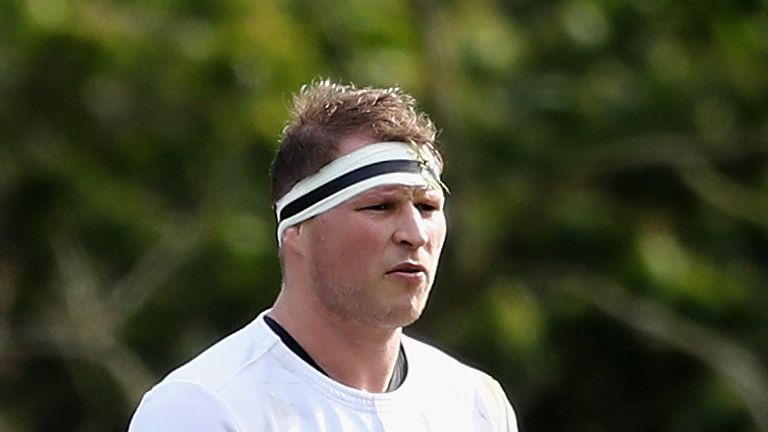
column 353, row 354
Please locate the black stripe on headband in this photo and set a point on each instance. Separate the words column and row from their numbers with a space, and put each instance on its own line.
column 363, row 173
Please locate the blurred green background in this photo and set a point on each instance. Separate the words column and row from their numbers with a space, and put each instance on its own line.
column 607, row 257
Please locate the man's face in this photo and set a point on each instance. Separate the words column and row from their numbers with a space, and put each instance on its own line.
column 373, row 258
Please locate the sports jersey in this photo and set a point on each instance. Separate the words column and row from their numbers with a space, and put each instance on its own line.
column 250, row 381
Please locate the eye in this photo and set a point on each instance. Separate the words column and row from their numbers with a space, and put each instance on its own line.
column 427, row 207
column 377, row 207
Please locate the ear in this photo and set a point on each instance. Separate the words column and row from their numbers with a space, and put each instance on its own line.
column 293, row 240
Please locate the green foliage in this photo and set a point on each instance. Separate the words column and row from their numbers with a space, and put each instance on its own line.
column 608, row 159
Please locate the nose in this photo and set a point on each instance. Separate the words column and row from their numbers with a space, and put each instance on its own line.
column 411, row 229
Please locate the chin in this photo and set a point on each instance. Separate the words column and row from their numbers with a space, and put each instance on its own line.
column 403, row 318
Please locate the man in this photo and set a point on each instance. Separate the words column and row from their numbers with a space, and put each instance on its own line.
column 359, row 201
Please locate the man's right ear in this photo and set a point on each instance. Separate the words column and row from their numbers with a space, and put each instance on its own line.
column 293, row 239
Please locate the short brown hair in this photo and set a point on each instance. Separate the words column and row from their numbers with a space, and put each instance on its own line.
column 325, row 112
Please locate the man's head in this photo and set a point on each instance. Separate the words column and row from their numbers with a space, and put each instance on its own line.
column 324, row 113
column 359, row 201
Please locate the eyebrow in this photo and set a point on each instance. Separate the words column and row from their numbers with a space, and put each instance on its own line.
column 377, row 193
column 390, row 191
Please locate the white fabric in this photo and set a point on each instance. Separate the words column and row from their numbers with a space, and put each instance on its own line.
column 251, row 382
column 366, row 155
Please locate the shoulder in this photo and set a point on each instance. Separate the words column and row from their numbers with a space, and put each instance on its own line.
column 433, row 362
column 228, row 358
column 202, row 394
column 444, row 373
column 182, row 406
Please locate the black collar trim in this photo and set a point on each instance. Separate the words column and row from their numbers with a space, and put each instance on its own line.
column 398, row 375
column 291, row 343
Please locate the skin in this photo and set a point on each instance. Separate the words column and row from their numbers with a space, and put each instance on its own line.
column 358, row 273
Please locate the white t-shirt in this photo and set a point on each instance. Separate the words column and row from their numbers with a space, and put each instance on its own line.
column 251, row 382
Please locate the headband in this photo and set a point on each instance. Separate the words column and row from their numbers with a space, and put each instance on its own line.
column 371, row 166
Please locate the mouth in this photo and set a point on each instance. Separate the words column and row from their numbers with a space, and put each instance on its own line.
column 408, row 268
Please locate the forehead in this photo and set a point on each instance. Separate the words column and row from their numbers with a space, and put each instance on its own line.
column 352, row 142
column 416, row 192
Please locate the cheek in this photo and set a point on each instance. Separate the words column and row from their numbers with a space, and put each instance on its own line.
column 352, row 245
column 364, row 240
column 438, row 233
